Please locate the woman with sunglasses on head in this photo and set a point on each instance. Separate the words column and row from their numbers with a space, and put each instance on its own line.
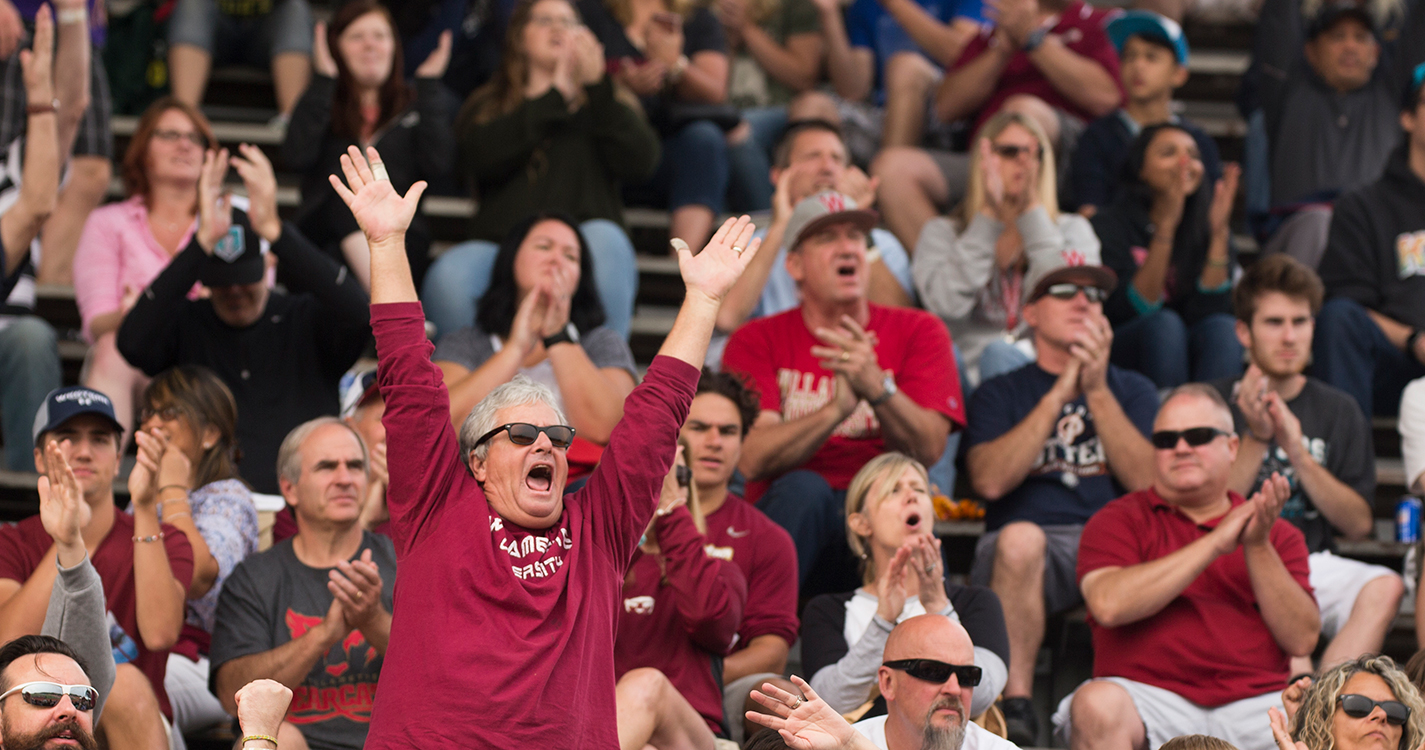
column 189, row 432
column 1364, row 704
column 682, row 608
column 126, row 244
column 890, row 522
column 358, row 96
column 971, row 268
column 1167, row 235
column 541, row 317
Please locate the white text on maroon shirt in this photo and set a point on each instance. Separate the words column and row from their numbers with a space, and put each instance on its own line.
column 548, row 547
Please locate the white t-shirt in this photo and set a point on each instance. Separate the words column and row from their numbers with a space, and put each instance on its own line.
column 976, row 738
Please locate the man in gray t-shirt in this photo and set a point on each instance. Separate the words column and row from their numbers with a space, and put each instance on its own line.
column 315, row 610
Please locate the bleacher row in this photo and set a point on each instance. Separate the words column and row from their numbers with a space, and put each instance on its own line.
column 1220, row 56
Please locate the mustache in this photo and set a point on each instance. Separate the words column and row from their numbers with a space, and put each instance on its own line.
column 77, row 733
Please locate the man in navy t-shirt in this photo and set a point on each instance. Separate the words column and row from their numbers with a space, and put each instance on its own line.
column 1050, row 444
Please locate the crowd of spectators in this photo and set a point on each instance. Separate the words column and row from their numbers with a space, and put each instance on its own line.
column 997, row 261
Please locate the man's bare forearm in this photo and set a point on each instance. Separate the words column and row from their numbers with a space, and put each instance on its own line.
column 1289, row 612
column 1119, row 596
column 288, row 664
column 850, row 73
column 774, row 448
column 765, row 653
column 1002, row 464
column 913, row 429
column 1080, row 79
column 1129, row 454
column 71, row 77
column 964, row 91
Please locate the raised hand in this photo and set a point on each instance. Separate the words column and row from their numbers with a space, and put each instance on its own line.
column 36, row 63
column 1288, row 432
column 438, row 60
column 1280, row 733
column 559, row 288
column 1224, row 194
column 1266, row 506
column 143, row 480
column 322, row 61
column 215, row 205
column 261, row 182
column 262, row 704
column 1294, row 695
column 526, row 330
column 713, row 271
column 381, row 212
column 855, row 184
column 1252, row 400
column 890, row 585
column 805, row 721
column 589, row 55
column 63, row 511
column 1092, row 348
column 929, row 569
column 1167, row 210
column 357, row 585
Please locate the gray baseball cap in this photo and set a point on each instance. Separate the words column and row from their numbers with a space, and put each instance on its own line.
column 823, row 209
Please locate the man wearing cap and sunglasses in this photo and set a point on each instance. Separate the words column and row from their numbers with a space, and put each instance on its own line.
column 1197, row 597
column 1049, row 444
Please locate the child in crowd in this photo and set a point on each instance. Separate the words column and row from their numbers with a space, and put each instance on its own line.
column 1152, row 61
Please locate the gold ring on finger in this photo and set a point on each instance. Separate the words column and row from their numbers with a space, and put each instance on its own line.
column 845, row 355
column 796, row 703
column 738, row 249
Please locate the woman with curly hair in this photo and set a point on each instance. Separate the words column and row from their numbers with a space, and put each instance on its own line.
column 1365, row 704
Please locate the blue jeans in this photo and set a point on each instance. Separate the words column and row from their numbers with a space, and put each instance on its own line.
column 1162, row 347
column 1000, row 357
column 815, row 516
column 750, row 176
column 691, row 172
column 461, row 275
column 1352, row 353
column 29, row 370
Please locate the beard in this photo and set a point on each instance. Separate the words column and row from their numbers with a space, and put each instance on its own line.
column 37, row 740
column 936, row 737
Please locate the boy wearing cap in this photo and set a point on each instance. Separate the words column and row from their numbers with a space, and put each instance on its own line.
column 282, row 355
column 1331, row 113
column 1369, row 339
column 842, row 380
column 1152, row 63
column 1048, row 445
column 145, row 567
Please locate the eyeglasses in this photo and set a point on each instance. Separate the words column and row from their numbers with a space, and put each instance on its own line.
column 684, row 475
column 1195, row 436
column 1359, row 707
column 1068, row 290
column 173, row 136
column 550, row 22
column 525, row 434
column 167, row 413
column 48, row 694
column 937, row 672
column 1011, row 151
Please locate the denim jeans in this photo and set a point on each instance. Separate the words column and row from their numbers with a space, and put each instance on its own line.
column 461, row 275
column 750, row 162
column 692, row 171
column 29, row 370
column 815, row 516
column 1351, row 352
column 1165, row 349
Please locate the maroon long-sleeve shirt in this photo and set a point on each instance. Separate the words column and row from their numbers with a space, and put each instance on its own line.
column 503, row 637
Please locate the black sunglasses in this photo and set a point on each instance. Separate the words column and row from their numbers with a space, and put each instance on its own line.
column 1165, row 440
column 1359, row 707
column 49, row 694
column 1068, row 290
column 525, row 434
column 937, row 672
column 1011, row 151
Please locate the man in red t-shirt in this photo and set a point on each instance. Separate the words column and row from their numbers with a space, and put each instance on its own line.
column 718, row 420
column 1197, row 597
column 842, row 380
column 145, row 567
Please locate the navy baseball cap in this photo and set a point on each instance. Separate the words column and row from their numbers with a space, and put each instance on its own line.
column 1334, row 10
column 1148, row 24
column 64, row 404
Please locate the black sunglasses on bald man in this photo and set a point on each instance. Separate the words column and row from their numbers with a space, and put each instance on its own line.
column 522, row 433
column 937, row 672
column 1166, row 440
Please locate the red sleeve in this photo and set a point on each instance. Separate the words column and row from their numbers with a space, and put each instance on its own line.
column 422, row 450
column 771, row 587
column 180, row 554
column 709, row 593
column 1291, row 547
column 928, row 374
column 19, row 553
column 1110, row 538
column 622, row 493
column 1096, row 46
column 977, row 46
column 749, row 353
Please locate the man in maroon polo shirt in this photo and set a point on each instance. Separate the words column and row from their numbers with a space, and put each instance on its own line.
column 1197, row 597
column 503, row 631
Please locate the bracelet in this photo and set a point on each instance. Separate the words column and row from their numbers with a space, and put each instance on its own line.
column 185, row 489
column 73, row 15
column 154, row 538
column 172, row 516
column 1217, row 263
column 260, row 737
column 42, row 109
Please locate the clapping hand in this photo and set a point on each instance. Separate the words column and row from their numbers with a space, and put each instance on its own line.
column 63, row 511
column 1294, row 695
column 143, row 480
column 322, row 61
column 1251, row 398
column 850, row 350
column 381, row 212
column 436, row 62
column 929, row 569
column 1266, row 506
column 1092, row 347
column 261, row 182
column 805, row 721
column 357, row 586
column 215, row 205
column 712, row 272
column 1280, row 733
column 1224, row 194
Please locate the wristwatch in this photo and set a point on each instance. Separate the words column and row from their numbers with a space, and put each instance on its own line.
column 570, row 335
column 888, row 389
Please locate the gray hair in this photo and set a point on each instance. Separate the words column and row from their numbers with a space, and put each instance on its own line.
column 289, row 456
column 520, row 390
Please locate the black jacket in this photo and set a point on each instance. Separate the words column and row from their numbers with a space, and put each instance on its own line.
column 1375, row 253
column 283, row 370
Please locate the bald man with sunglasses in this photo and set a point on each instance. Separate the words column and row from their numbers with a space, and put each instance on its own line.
column 1197, row 597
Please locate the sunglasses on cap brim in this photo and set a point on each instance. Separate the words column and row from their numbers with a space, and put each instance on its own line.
column 522, row 433
column 1359, row 707
column 1165, row 440
column 937, row 672
column 49, row 694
